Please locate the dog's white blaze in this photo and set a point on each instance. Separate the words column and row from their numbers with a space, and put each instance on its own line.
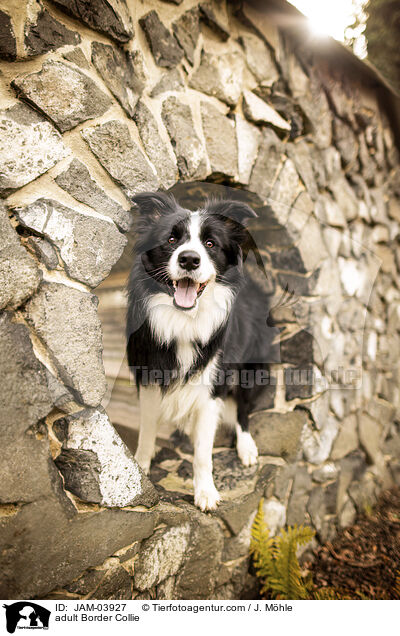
column 170, row 323
column 206, row 270
column 182, row 402
column 186, row 354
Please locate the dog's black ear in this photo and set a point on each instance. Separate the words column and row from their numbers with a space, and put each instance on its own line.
column 234, row 210
column 153, row 205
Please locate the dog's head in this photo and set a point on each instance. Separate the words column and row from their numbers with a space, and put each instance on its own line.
column 185, row 251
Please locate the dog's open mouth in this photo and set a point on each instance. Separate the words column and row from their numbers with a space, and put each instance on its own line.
column 186, row 292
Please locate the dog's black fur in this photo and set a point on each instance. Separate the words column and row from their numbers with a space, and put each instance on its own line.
column 244, row 339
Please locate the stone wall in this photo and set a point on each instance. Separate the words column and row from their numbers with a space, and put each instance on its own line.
column 103, row 100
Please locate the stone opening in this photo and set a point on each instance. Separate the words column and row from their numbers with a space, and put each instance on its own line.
column 270, row 258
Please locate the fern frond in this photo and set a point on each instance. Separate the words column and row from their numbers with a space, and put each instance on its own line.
column 289, row 582
column 328, row 594
column 261, row 545
column 275, row 558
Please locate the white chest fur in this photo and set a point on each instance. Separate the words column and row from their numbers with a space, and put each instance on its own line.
column 186, row 328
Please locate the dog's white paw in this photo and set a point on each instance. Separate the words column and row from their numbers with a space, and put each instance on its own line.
column 207, row 498
column 246, row 449
column 143, row 463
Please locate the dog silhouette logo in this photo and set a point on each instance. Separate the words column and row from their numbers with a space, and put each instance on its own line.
column 26, row 615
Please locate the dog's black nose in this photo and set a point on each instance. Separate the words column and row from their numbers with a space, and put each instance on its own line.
column 189, row 260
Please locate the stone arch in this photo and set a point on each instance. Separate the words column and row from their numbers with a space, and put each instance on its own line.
column 108, row 113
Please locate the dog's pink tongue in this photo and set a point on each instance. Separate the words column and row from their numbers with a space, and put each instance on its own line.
column 185, row 293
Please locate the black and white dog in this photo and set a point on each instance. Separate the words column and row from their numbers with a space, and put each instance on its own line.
column 194, row 324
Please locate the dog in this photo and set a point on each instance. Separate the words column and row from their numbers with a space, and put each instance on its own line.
column 195, row 325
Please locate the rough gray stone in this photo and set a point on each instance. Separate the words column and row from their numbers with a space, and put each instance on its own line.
column 248, row 140
column 80, row 470
column 363, row 493
column 316, row 507
column 314, row 104
column 236, row 513
column 299, row 382
column 20, row 368
column 214, row 22
column 317, row 445
column 285, row 191
column 298, row 349
column 260, row 112
column 237, row 546
column 120, row 156
column 345, row 197
column 98, row 467
column 188, row 148
column 117, row 69
column 220, row 76
column 196, row 580
column 164, row 47
column 325, row 473
column 43, row 33
column 345, row 141
column 347, row 514
column 170, row 81
column 88, row 246
column 187, row 31
column 352, row 315
column 44, row 251
column 278, row 434
column 352, row 468
column 259, row 59
column 66, row 321
column 26, row 470
column 19, row 275
column 77, row 57
column 274, row 515
column 231, row 476
column 88, row 538
column 328, row 212
column 299, row 153
column 368, row 165
column 370, row 432
column 116, row 584
column 155, row 147
column 302, row 484
column 8, row 43
column 65, row 95
column 107, row 16
column 330, row 496
column 288, row 259
column 77, row 181
column 60, row 396
column 347, row 439
column 267, row 165
column 161, row 556
column 284, row 481
column 219, row 134
column 382, row 411
column 29, row 146
column 86, row 583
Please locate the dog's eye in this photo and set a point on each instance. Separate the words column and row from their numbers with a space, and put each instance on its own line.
column 209, row 243
column 172, row 240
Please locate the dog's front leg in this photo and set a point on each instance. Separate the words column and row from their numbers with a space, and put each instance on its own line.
column 150, row 400
column 206, row 496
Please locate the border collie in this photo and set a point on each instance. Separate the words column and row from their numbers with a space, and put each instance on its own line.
column 194, row 323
